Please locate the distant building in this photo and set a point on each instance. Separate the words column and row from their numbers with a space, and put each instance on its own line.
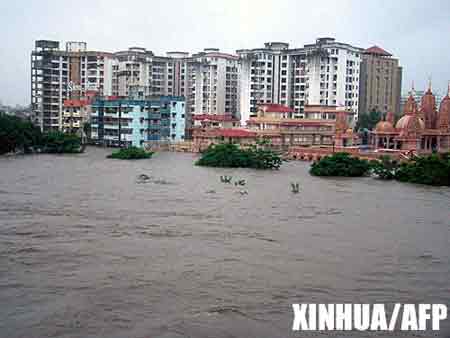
column 322, row 126
column 207, row 80
column 57, row 75
column 215, row 121
column 324, row 73
column 137, row 122
column 380, row 82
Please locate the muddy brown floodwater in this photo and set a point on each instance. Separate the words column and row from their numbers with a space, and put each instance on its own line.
column 87, row 251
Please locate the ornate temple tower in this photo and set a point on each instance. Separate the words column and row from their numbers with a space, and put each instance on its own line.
column 428, row 109
column 410, row 126
column 444, row 113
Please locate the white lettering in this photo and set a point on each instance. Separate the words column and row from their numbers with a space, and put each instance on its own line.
column 394, row 317
column 343, row 316
column 439, row 313
column 362, row 316
column 379, row 321
column 424, row 316
column 326, row 317
column 312, row 316
column 409, row 318
column 299, row 317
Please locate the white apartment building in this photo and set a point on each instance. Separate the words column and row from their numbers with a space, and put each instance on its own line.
column 332, row 74
column 208, row 80
column 216, row 82
column 263, row 77
column 324, row 73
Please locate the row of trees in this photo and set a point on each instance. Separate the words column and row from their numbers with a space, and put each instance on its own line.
column 433, row 169
column 19, row 135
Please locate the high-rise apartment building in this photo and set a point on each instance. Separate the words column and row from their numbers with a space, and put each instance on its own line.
column 381, row 82
column 264, row 76
column 216, row 86
column 333, row 71
column 57, row 75
column 324, row 73
column 207, row 80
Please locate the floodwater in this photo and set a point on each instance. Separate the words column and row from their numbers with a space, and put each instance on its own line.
column 87, row 251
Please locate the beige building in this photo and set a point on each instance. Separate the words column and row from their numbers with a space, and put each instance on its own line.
column 380, row 82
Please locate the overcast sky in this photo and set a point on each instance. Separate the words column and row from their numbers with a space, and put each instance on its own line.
column 417, row 32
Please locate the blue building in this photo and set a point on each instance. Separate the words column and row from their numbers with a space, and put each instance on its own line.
column 138, row 122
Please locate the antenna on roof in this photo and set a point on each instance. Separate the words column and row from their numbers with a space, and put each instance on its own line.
column 429, row 83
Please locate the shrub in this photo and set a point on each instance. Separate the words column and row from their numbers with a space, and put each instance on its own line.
column 131, row 153
column 231, row 156
column 58, row 142
column 340, row 164
column 432, row 170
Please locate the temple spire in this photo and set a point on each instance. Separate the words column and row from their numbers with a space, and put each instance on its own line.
column 413, row 91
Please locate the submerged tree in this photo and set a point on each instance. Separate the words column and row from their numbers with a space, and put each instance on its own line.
column 17, row 134
column 131, row 153
column 432, row 170
column 230, row 155
column 340, row 164
column 58, row 142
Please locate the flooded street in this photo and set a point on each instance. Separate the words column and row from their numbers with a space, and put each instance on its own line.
column 87, row 251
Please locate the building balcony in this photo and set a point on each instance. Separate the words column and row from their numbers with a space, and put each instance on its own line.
column 74, row 115
column 154, row 116
column 111, row 126
column 73, row 124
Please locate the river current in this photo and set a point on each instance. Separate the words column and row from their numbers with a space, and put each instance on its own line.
column 86, row 250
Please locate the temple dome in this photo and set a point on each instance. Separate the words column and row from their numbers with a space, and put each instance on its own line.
column 410, row 121
column 384, row 127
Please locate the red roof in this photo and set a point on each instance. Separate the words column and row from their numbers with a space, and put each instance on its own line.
column 276, row 108
column 90, row 93
column 113, row 97
column 235, row 132
column 214, row 117
column 297, row 122
column 377, row 51
column 75, row 103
